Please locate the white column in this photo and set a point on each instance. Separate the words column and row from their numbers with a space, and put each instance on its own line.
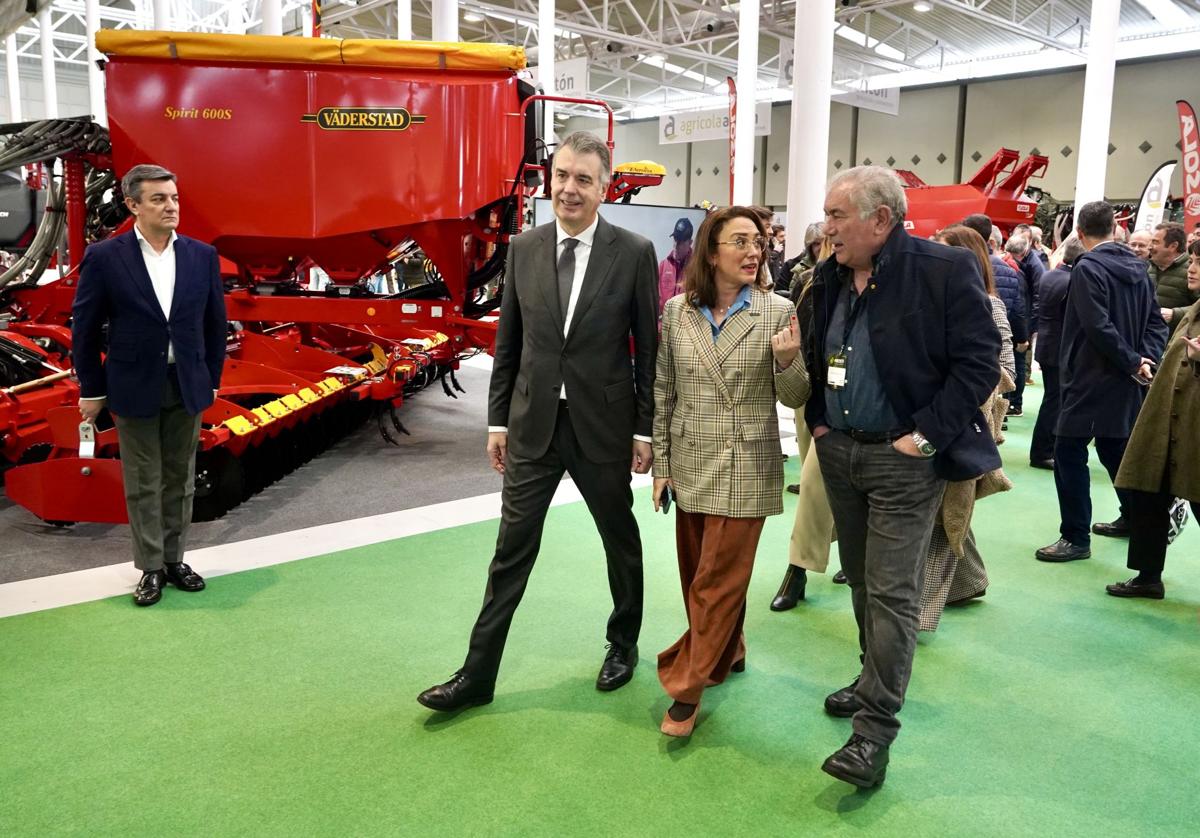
column 404, row 20
column 808, row 148
column 14, row 79
column 272, row 17
column 1092, row 161
column 162, row 15
column 445, row 20
column 236, row 21
column 546, row 63
column 91, row 15
column 747, row 97
column 49, row 77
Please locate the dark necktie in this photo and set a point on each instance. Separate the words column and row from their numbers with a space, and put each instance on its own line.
column 566, row 275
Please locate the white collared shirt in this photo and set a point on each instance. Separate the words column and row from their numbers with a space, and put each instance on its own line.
column 161, row 267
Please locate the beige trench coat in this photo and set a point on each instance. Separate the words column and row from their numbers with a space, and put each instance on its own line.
column 716, row 433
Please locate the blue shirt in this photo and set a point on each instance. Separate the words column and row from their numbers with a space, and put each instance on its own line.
column 862, row 405
column 740, row 302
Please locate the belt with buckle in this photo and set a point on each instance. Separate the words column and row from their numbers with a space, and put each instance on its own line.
column 875, row 437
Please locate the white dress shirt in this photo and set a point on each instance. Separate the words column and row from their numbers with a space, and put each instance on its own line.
column 583, row 252
column 161, row 267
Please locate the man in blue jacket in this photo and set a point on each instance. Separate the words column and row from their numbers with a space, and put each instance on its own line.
column 1112, row 336
column 1052, row 306
column 159, row 296
column 903, row 352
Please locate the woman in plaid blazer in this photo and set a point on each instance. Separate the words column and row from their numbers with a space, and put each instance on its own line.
column 728, row 351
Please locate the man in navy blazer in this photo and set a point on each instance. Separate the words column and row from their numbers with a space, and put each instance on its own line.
column 151, row 301
column 903, row 351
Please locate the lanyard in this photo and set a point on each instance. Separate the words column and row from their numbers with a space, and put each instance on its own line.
column 855, row 303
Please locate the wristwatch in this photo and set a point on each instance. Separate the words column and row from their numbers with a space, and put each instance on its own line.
column 923, row 445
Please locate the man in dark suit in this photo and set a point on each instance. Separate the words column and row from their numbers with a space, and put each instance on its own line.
column 565, row 397
column 1112, row 335
column 158, row 297
column 1052, row 304
column 904, row 351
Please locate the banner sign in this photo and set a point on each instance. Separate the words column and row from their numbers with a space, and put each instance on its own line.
column 732, row 130
column 886, row 100
column 695, row 126
column 570, row 78
column 1154, row 198
column 1190, row 144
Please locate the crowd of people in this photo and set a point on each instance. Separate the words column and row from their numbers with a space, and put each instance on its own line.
column 903, row 358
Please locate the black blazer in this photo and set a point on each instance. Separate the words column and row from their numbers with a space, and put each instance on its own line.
column 611, row 399
column 1052, row 304
column 935, row 343
column 1112, row 321
column 115, row 290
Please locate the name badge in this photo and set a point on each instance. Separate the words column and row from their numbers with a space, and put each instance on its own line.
column 835, row 378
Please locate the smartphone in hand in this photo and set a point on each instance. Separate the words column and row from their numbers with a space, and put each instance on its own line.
column 664, row 500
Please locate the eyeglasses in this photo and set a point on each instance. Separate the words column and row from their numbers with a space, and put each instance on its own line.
column 743, row 244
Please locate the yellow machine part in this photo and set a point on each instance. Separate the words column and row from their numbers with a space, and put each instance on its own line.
column 641, row 167
column 275, row 49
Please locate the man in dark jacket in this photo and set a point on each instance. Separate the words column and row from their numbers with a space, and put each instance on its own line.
column 903, row 352
column 1168, row 271
column 1112, row 336
column 1052, row 308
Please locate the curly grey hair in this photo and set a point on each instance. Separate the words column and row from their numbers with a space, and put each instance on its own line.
column 873, row 187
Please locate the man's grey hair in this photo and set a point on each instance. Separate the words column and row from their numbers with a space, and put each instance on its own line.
column 873, row 187
column 584, row 142
column 1036, row 232
column 997, row 238
column 1072, row 249
column 1017, row 245
column 131, row 184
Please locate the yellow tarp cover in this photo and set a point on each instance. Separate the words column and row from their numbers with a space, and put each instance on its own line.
column 417, row 55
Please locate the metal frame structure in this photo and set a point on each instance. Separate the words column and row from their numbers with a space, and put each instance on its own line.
column 647, row 56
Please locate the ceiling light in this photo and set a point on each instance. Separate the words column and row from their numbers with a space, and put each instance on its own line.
column 471, row 17
column 922, row 6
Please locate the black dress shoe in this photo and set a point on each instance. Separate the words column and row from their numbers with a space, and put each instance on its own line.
column 860, row 762
column 1063, row 551
column 793, row 488
column 839, row 578
column 792, row 589
column 149, row 589
column 1015, row 411
column 617, row 668
column 1114, row 529
column 460, row 692
column 1048, row 465
column 843, row 703
column 1134, row 588
column 183, row 577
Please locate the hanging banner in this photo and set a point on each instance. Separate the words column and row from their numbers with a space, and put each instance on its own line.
column 570, row 78
column 732, row 130
column 886, row 100
column 1190, row 145
column 696, row 126
column 1154, row 198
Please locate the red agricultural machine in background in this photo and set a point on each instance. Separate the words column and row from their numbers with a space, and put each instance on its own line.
column 997, row 190
column 292, row 155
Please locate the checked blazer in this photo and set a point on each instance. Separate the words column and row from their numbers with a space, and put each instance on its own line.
column 716, row 433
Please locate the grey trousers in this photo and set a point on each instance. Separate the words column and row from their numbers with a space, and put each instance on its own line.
column 158, row 465
column 884, row 505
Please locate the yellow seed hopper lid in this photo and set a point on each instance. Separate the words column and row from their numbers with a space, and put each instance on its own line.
column 416, row 55
column 641, row 167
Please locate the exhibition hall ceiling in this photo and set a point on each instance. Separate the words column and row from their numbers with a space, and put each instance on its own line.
column 646, row 57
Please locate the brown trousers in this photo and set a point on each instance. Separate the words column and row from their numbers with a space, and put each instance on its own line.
column 716, row 558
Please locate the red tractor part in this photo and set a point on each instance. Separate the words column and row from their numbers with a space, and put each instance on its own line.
column 997, row 190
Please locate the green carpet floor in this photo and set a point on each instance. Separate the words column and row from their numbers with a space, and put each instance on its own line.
column 281, row 701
